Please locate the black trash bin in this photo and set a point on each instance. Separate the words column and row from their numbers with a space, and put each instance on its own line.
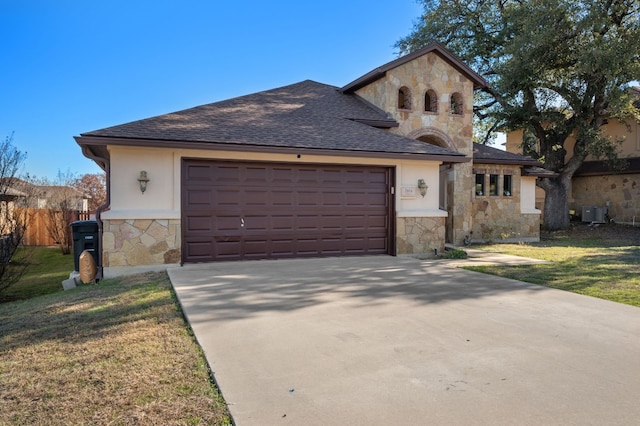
column 85, row 237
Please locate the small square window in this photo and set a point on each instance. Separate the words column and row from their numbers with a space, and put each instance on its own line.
column 480, row 184
column 506, row 186
column 493, row 184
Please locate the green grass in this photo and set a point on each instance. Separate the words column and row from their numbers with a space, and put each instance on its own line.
column 601, row 262
column 115, row 353
column 48, row 267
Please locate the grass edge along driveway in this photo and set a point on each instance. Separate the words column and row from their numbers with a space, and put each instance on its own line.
column 602, row 261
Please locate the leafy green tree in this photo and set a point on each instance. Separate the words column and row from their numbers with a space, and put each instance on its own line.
column 555, row 68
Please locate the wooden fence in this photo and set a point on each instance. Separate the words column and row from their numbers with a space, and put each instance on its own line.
column 37, row 234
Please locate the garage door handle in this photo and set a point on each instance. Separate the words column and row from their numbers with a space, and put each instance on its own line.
column 241, row 222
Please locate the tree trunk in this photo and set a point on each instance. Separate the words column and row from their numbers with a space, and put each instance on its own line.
column 556, row 203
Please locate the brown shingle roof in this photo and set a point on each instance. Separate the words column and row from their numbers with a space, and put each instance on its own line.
column 305, row 115
column 486, row 154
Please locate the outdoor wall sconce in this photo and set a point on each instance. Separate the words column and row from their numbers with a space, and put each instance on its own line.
column 142, row 180
column 422, row 186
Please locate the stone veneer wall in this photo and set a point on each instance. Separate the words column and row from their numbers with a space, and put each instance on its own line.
column 499, row 217
column 621, row 191
column 429, row 72
column 496, row 219
column 138, row 242
column 442, row 128
column 420, row 235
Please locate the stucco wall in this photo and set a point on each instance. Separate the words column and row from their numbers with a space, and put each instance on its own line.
column 144, row 228
column 586, row 191
column 628, row 133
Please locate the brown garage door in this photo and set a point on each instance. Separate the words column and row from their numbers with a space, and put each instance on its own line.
column 245, row 210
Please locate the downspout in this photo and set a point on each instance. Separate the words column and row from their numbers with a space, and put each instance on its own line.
column 107, row 168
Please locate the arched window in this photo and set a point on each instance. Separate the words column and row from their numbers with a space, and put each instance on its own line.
column 430, row 101
column 456, row 104
column 404, row 98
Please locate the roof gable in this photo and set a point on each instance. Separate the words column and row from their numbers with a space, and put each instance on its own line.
column 434, row 47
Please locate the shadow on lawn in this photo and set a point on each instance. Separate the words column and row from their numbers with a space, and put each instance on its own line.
column 86, row 313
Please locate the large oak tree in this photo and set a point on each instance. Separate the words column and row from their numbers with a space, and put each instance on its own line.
column 555, row 67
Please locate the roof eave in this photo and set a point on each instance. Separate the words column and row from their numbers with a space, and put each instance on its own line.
column 93, row 142
column 380, row 124
column 541, row 173
column 506, row 162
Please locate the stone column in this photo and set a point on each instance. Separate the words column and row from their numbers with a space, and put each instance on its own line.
column 461, row 221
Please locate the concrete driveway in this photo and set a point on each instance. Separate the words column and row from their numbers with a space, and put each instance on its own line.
column 399, row 341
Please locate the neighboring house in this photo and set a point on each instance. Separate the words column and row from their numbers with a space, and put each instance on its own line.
column 615, row 193
column 383, row 165
column 9, row 198
column 53, row 196
column 39, row 199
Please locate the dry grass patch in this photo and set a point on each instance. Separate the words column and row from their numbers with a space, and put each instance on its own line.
column 116, row 353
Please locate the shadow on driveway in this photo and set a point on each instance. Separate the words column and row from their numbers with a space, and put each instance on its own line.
column 391, row 340
column 243, row 289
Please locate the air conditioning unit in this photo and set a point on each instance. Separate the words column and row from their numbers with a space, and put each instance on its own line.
column 599, row 214
column 588, row 213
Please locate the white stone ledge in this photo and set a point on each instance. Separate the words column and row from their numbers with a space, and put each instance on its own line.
column 534, row 211
column 422, row 213
column 140, row 214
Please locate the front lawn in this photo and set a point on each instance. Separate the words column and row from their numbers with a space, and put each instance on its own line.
column 47, row 268
column 115, row 353
column 601, row 261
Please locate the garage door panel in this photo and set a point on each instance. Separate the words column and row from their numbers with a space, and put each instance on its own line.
column 333, row 199
column 254, row 198
column 308, row 198
column 282, row 223
column 262, row 210
column 225, row 174
column 199, row 249
column 283, row 198
column 198, row 173
column 227, row 223
column 199, row 197
column 199, row 223
column 257, row 223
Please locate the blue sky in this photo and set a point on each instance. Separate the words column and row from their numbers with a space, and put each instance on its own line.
column 69, row 67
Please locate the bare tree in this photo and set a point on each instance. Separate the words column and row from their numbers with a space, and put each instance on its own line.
column 14, row 214
column 62, row 202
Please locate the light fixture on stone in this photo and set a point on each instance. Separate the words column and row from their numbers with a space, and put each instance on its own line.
column 422, row 186
column 143, row 179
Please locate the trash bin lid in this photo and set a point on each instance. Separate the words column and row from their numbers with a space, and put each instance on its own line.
column 84, row 225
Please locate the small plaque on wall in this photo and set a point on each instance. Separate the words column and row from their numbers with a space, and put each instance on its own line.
column 408, row 192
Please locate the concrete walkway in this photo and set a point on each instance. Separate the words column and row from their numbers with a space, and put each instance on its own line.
column 390, row 340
